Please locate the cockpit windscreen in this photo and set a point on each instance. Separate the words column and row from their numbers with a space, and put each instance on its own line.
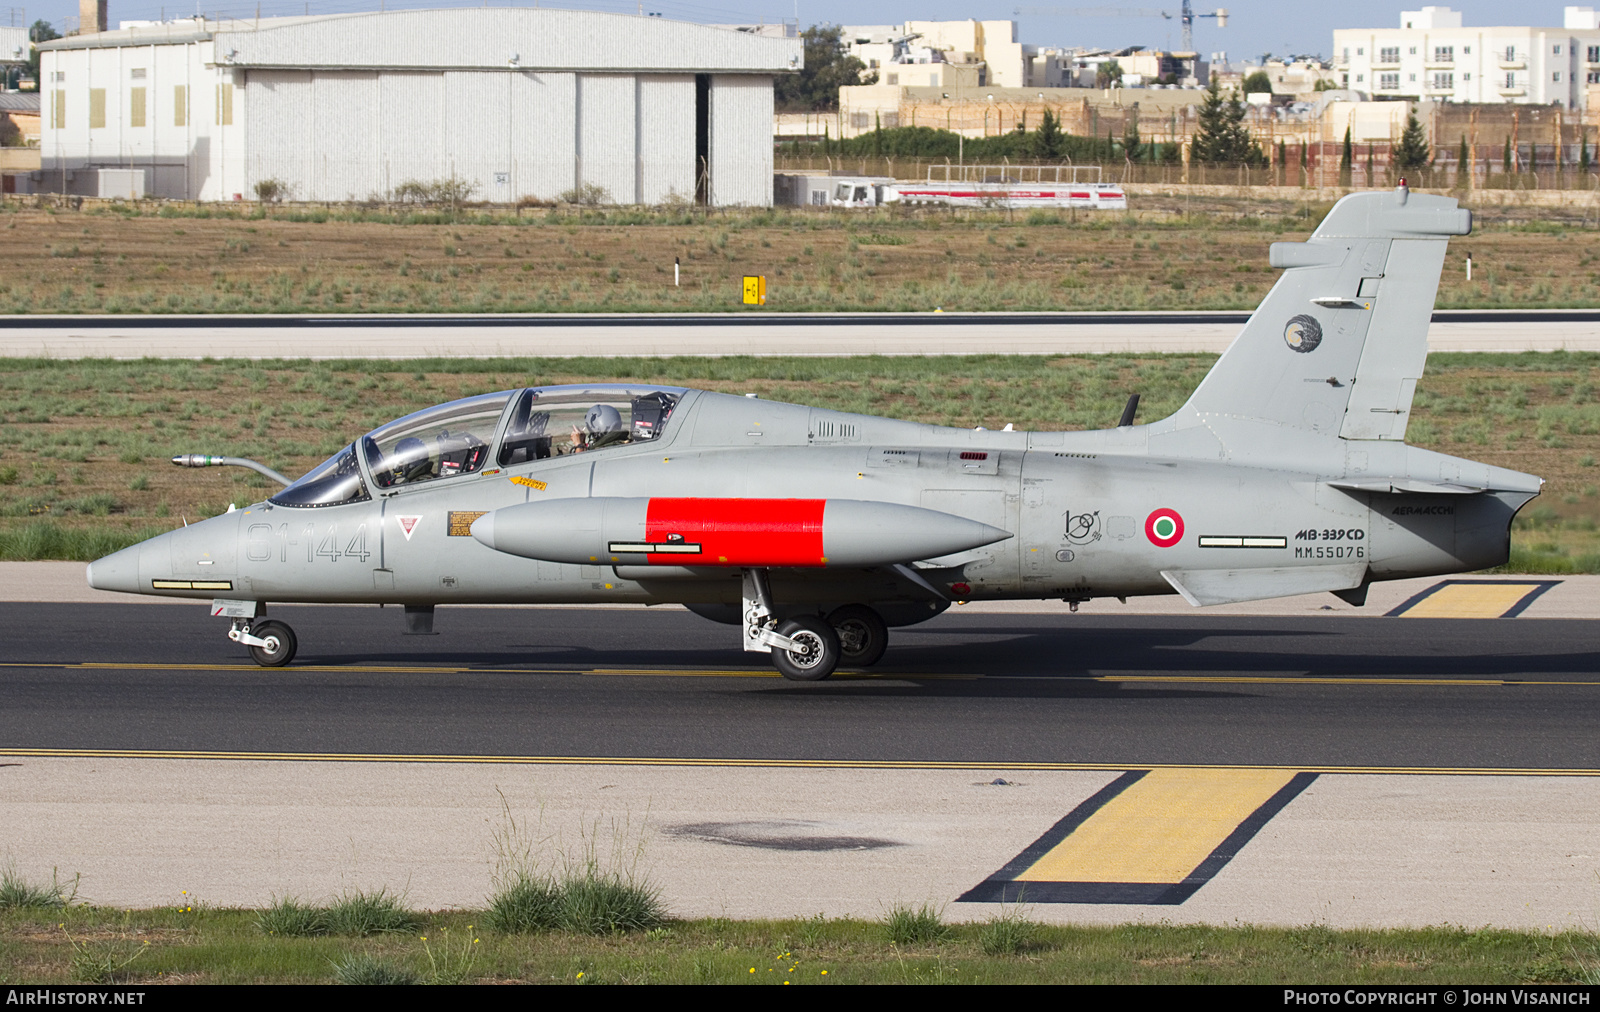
column 437, row 442
column 557, row 421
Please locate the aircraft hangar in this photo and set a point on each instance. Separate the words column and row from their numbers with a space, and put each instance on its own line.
column 521, row 104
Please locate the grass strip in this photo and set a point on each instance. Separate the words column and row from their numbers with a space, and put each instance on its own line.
column 196, row 944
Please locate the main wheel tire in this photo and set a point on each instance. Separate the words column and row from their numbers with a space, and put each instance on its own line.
column 816, row 653
column 863, row 635
column 280, row 647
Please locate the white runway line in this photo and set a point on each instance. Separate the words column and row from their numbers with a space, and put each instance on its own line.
column 98, row 337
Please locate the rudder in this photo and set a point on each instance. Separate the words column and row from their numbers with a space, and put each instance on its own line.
column 1338, row 344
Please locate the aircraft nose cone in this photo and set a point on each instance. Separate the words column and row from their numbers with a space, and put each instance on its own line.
column 483, row 529
column 117, row 571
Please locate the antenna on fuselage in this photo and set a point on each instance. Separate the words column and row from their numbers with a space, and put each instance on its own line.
column 1128, row 411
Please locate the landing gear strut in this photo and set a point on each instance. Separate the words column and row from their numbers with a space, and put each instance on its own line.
column 803, row 648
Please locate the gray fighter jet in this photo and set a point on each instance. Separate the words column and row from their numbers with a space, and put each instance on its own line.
column 815, row 531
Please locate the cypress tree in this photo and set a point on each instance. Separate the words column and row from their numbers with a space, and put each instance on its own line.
column 1583, row 153
column 1462, row 168
column 1347, row 158
column 1221, row 135
column 1505, row 161
column 1413, row 151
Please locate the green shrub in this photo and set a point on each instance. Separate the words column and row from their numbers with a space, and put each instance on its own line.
column 365, row 969
column 525, row 905
column 587, row 901
column 1008, row 933
column 16, row 892
column 600, row 904
column 364, row 913
column 289, row 917
column 922, row 925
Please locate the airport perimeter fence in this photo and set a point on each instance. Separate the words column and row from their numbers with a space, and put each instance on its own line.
column 1360, row 175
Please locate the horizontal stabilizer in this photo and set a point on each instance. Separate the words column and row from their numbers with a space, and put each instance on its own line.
column 1201, row 587
column 1407, row 486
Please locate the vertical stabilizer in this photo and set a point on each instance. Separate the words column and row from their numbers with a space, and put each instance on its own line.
column 1337, row 346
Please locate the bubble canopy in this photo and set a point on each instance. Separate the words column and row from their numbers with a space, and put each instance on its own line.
column 456, row 438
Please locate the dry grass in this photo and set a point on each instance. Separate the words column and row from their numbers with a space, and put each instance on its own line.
column 1205, row 258
column 85, row 445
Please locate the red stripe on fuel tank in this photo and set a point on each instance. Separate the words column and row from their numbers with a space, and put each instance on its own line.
column 738, row 532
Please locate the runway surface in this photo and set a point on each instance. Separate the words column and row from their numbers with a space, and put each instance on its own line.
column 1200, row 768
column 737, row 333
column 1310, row 693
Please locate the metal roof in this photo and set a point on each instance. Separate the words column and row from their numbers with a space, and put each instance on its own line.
column 470, row 38
column 25, row 101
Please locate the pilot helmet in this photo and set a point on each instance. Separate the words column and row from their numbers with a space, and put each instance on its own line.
column 408, row 451
column 603, row 419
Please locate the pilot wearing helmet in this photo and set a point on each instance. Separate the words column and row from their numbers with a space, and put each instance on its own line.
column 602, row 426
column 409, row 461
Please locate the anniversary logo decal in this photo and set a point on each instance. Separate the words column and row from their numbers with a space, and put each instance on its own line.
column 1303, row 333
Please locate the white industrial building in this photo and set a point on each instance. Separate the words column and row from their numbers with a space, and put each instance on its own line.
column 520, row 103
column 1432, row 56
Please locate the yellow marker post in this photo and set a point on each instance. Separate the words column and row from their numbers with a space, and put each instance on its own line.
column 755, row 289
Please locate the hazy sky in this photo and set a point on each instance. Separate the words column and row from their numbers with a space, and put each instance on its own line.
column 1254, row 26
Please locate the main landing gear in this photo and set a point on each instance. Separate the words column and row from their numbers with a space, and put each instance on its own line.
column 808, row 648
column 272, row 644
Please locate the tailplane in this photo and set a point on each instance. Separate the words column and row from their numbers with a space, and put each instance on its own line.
column 1336, row 348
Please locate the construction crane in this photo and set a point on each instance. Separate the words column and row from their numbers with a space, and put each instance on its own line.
column 1186, row 15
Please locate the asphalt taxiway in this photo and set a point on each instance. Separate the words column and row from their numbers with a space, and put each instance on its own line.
column 1281, row 768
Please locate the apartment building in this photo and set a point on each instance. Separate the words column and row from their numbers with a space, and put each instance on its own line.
column 1432, row 56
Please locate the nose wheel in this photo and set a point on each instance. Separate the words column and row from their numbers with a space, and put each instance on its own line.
column 272, row 644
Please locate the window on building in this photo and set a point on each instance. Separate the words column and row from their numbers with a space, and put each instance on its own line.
column 1556, row 77
column 1594, row 54
column 180, row 105
column 1413, row 79
column 1466, row 77
column 1413, row 50
column 136, row 74
column 1388, row 82
column 1557, row 50
column 1361, row 51
column 136, row 107
column 224, row 105
column 1444, row 80
column 1389, row 54
column 1444, row 54
column 1594, row 77
column 1511, row 79
column 1360, row 78
column 97, row 108
column 59, row 77
column 1346, row 57
column 1466, row 50
column 1511, row 54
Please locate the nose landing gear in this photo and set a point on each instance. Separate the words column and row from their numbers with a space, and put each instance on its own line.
column 272, row 644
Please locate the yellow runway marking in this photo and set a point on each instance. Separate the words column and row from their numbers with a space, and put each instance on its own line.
column 1149, row 837
column 423, row 669
column 1159, row 829
column 755, row 763
column 843, row 676
column 1474, row 599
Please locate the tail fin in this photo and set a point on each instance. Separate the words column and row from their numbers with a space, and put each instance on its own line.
column 1337, row 346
